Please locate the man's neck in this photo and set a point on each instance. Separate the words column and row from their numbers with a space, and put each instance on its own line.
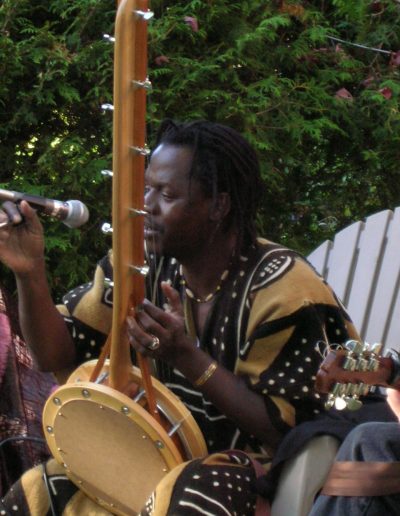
column 203, row 272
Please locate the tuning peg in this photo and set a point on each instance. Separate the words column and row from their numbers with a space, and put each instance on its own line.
column 135, row 212
column 367, row 347
column 107, row 173
column 351, row 345
column 107, row 107
column 363, row 389
column 143, row 270
column 376, row 348
column 362, row 364
column 329, row 403
column 349, row 363
column 340, row 403
column 142, row 151
column 352, row 403
column 144, row 15
column 338, row 390
column 108, row 283
column 373, row 364
column 146, row 85
column 106, row 228
column 108, row 38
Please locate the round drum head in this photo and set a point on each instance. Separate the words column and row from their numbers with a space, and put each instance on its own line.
column 111, row 447
column 191, row 441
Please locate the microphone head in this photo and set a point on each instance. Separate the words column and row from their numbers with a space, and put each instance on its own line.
column 78, row 214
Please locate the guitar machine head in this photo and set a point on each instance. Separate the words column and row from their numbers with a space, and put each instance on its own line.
column 351, row 371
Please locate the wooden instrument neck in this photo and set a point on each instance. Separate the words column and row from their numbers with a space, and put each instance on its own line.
column 129, row 134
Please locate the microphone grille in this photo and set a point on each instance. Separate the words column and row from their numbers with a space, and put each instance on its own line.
column 78, row 214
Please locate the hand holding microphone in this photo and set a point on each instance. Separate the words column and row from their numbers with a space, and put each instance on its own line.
column 22, row 245
column 72, row 213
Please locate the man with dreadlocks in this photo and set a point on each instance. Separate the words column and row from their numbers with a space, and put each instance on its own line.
column 233, row 328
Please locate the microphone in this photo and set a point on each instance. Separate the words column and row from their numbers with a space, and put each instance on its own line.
column 72, row 213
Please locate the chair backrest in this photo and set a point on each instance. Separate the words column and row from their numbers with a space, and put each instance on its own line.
column 362, row 264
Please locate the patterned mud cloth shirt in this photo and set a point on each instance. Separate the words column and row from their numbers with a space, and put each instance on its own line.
column 264, row 326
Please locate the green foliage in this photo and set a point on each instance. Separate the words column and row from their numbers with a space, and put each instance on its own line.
column 278, row 72
column 322, row 113
column 55, row 71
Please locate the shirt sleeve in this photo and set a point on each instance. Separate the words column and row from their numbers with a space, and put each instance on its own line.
column 87, row 311
column 291, row 321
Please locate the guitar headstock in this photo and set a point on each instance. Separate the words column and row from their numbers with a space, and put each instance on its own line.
column 350, row 371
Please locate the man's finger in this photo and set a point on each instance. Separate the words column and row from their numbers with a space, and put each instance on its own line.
column 173, row 297
column 13, row 212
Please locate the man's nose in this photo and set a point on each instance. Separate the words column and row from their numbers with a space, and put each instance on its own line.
column 149, row 201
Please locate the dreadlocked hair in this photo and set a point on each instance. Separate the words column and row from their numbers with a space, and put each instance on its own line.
column 223, row 161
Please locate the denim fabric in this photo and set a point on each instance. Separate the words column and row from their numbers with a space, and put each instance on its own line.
column 367, row 442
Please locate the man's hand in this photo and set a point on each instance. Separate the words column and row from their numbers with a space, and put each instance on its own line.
column 21, row 238
column 166, row 327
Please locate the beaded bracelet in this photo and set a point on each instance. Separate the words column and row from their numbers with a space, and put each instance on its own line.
column 206, row 375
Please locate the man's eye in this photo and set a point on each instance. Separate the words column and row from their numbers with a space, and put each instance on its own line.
column 167, row 196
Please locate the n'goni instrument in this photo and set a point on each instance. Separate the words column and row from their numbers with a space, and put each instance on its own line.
column 114, row 448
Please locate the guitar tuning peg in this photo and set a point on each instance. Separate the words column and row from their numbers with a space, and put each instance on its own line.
column 362, row 364
column 107, row 173
column 352, row 403
column 351, row 389
column 376, row 348
column 361, row 389
column 367, row 347
column 352, row 346
column 329, row 403
column 340, row 403
column 338, row 390
column 373, row 364
column 349, row 363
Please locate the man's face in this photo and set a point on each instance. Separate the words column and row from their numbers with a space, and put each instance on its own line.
column 178, row 223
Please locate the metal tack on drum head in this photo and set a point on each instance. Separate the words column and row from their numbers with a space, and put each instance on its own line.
column 56, row 401
column 85, row 393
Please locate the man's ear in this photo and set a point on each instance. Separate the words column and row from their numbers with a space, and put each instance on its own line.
column 221, row 207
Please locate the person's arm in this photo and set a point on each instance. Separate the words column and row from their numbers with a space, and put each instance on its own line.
column 43, row 328
column 231, row 395
column 228, row 392
column 393, row 398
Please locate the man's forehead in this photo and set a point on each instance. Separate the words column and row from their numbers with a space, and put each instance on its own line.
column 171, row 159
column 168, row 151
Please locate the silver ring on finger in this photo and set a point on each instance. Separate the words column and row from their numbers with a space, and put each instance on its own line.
column 154, row 343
